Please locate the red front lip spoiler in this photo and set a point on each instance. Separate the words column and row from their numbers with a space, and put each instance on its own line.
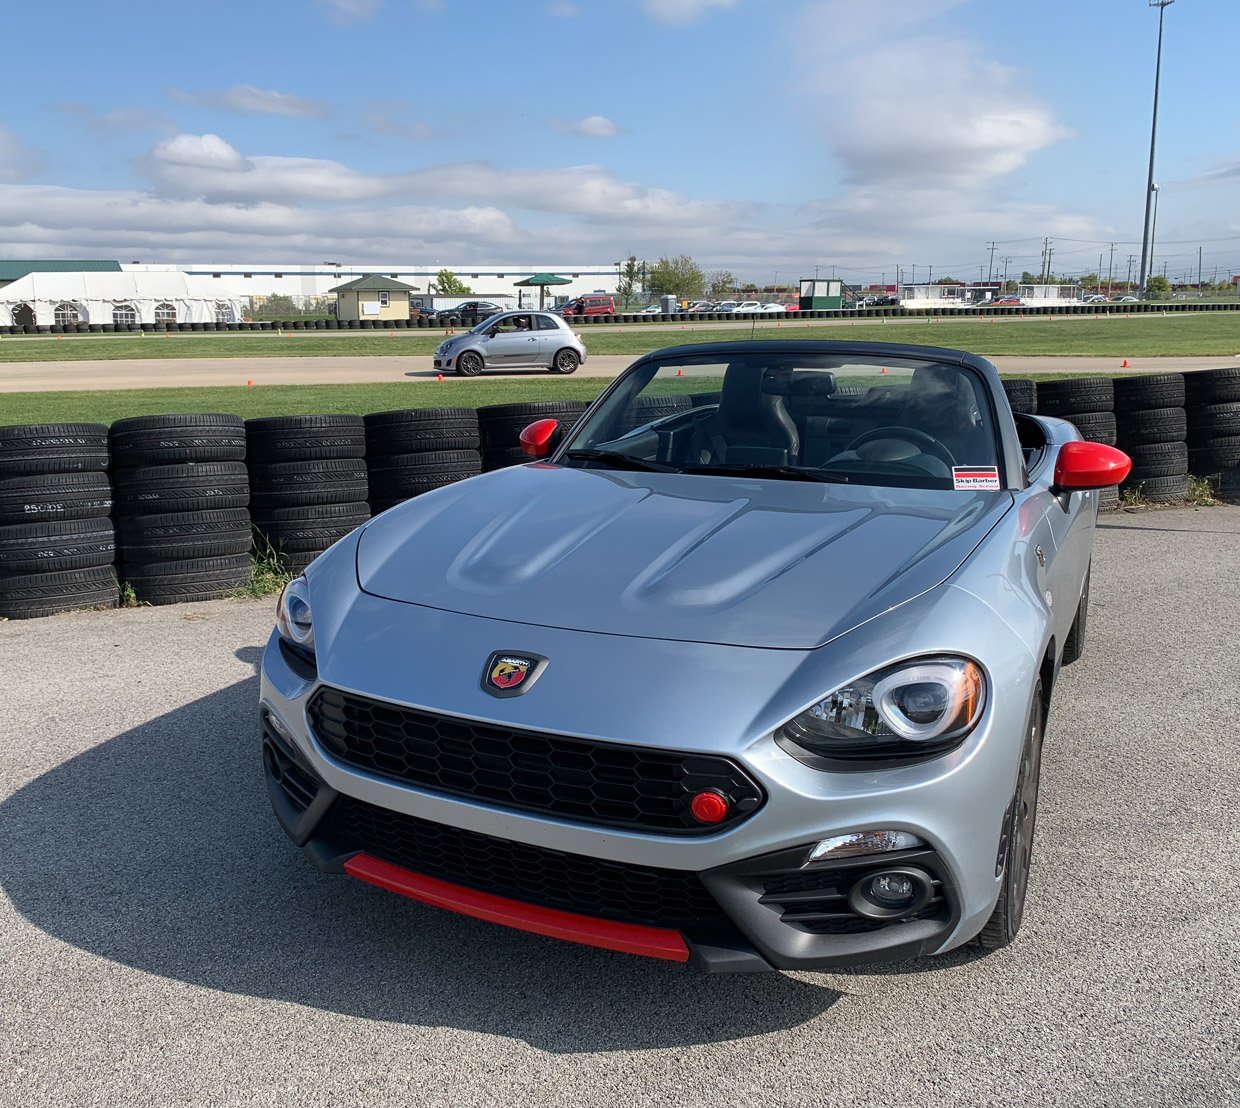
column 628, row 938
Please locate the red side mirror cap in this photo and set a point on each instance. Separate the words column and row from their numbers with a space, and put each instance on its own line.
column 538, row 439
column 1089, row 465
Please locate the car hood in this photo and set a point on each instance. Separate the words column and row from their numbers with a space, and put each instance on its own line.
column 755, row 563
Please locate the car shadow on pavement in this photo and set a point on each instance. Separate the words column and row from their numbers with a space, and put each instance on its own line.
column 157, row 849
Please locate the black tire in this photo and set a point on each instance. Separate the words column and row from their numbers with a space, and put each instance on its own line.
column 1215, row 420
column 176, row 582
column 527, row 412
column 1074, row 643
column 1159, row 459
column 290, row 484
column 390, row 496
column 1081, row 394
column 1163, row 390
column 162, row 440
column 1212, row 386
column 1016, row 837
column 312, row 514
column 177, row 536
column 411, row 432
column 53, row 448
column 1095, row 426
column 1151, row 426
column 1022, row 394
column 307, row 539
column 1160, row 490
column 181, row 488
column 1108, row 498
column 44, row 594
column 565, row 362
column 1214, row 454
column 422, row 418
column 503, row 457
column 469, row 364
column 274, row 439
column 52, row 547
column 54, row 496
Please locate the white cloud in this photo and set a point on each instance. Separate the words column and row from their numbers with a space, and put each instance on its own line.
column 17, row 160
column 255, row 101
column 385, row 119
column 118, row 121
column 592, row 126
column 563, row 9
column 683, row 11
column 348, row 11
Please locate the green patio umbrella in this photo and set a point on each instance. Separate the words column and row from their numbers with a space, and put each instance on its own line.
column 542, row 280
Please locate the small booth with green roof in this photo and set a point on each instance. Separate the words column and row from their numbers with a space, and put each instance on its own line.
column 818, row 293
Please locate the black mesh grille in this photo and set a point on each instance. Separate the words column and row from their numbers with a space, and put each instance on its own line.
column 532, row 874
column 593, row 782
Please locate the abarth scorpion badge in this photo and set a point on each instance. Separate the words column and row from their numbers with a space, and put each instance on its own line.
column 510, row 674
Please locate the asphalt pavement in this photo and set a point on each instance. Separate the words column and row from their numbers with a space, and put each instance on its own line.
column 161, row 942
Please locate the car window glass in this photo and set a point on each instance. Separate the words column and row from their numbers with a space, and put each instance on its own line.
column 546, row 323
column 900, row 422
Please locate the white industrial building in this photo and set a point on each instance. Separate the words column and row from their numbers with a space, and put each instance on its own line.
column 308, row 285
column 167, row 296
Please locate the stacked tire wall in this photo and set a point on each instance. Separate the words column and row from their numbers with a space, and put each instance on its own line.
column 308, row 484
column 57, row 544
column 1150, row 414
column 501, row 426
column 1213, row 421
column 1089, row 403
column 414, row 451
column 182, row 526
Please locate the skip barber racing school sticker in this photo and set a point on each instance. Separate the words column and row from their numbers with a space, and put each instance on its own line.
column 975, row 477
column 510, row 674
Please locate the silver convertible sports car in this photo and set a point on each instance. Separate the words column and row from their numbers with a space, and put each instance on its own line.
column 747, row 669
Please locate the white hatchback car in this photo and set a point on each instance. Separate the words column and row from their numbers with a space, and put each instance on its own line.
column 747, row 306
column 513, row 340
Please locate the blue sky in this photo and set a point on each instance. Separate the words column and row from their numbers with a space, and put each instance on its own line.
column 762, row 136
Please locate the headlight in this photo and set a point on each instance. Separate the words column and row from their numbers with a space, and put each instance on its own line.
column 293, row 617
column 919, row 707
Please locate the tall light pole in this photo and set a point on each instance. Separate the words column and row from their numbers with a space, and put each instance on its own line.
column 1151, row 195
column 1153, row 228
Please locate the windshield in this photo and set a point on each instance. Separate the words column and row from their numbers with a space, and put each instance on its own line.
column 811, row 417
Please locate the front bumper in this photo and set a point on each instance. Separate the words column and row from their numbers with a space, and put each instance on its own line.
column 742, row 902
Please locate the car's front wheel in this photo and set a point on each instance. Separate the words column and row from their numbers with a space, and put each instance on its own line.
column 565, row 362
column 1016, row 845
column 469, row 364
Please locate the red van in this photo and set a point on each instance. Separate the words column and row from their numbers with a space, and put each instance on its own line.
column 590, row 305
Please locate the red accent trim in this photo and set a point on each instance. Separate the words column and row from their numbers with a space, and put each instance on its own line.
column 536, row 438
column 628, row 938
column 1090, row 465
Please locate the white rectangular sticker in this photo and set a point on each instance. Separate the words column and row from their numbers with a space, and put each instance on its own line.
column 975, row 477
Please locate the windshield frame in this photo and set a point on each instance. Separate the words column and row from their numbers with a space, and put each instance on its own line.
column 1009, row 459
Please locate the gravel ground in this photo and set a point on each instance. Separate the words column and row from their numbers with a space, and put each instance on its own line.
column 162, row 943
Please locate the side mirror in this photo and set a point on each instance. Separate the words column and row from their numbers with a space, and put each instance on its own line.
column 539, row 439
column 1089, row 465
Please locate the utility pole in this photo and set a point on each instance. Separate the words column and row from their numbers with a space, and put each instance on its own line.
column 1199, row 269
column 1110, row 267
column 1046, row 261
column 1131, row 258
column 990, row 269
column 1006, row 261
column 1150, row 194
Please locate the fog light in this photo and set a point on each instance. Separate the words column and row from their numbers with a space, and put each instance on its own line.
column 862, row 842
column 279, row 726
column 891, row 893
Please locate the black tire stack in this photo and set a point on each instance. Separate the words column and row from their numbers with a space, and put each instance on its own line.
column 57, row 545
column 1213, row 412
column 1022, row 394
column 501, row 426
column 1089, row 403
column 646, row 409
column 181, row 493
column 413, row 451
column 308, row 484
column 1152, row 425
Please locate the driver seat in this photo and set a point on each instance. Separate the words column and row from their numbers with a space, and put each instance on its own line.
column 751, row 423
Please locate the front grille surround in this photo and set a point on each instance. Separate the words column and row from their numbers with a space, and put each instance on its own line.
column 584, row 780
column 535, row 875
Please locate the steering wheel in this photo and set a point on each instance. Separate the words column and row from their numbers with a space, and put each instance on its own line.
column 927, row 444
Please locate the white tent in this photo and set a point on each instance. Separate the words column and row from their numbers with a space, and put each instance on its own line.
column 122, row 298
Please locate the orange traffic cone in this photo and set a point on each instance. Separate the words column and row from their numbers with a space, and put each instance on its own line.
column 249, row 382
column 439, row 378
column 1124, row 364
column 680, row 373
